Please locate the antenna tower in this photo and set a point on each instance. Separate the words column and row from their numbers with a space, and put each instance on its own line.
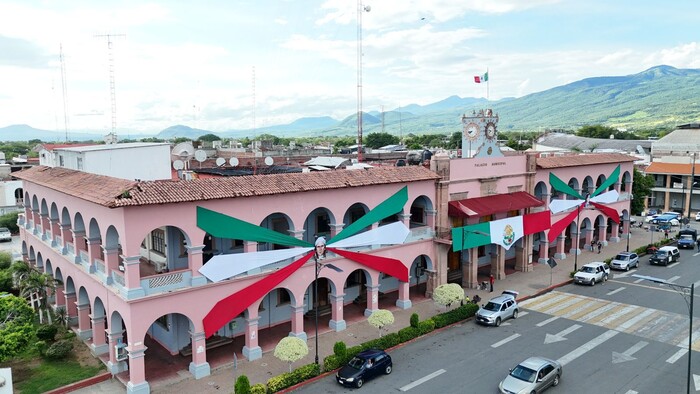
column 64, row 87
column 112, row 89
column 253, row 101
column 360, row 10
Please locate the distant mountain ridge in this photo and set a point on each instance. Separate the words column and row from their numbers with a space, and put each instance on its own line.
column 660, row 97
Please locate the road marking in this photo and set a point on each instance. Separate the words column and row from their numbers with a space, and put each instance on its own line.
column 616, row 290
column 639, row 280
column 560, row 336
column 588, row 346
column 423, row 380
column 697, row 284
column 618, row 314
column 629, row 323
column 504, row 341
column 551, row 319
column 561, row 305
column 673, row 279
column 628, row 354
column 631, row 392
column 622, row 274
column 676, row 356
column 599, row 311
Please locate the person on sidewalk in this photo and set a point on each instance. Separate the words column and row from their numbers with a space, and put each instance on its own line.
column 491, row 280
column 600, row 246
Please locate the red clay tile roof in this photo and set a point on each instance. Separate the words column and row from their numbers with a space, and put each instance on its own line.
column 671, row 168
column 575, row 160
column 115, row 192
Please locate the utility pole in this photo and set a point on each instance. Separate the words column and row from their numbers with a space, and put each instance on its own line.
column 65, row 91
column 112, row 88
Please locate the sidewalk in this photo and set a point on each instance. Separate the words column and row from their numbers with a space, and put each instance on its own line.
column 528, row 284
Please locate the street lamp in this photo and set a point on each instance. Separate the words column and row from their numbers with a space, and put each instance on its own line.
column 682, row 290
column 318, row 267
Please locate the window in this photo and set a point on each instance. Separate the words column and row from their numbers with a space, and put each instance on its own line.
column 418, row 215
column 283, row 297
column 158, row 241
column 80, row 163
column 60, row 161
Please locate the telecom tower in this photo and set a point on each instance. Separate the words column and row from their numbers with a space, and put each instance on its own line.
column 112, row 89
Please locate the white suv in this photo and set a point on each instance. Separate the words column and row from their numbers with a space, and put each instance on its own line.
column 592, row 273
column 5, row 234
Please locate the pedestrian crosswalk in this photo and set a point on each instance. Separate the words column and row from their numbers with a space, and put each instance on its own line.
column 647, row 323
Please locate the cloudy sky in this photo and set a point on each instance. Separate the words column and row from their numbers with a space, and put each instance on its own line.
column 221, row 65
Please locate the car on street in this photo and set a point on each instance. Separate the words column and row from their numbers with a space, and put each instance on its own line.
column 5, row 234
column 665, row 255
column 366, row 365
column 533, row 375
column 625, row 261
column 592, row 273
column 498, row 309
column 665, row 218
column 649, row 218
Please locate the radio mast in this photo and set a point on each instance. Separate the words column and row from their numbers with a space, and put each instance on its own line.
column 112, row 89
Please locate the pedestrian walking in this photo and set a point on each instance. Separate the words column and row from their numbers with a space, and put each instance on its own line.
column 666, row 234
column 600, row 246
column 491, row 280
column 698, row 243
column 593, row 245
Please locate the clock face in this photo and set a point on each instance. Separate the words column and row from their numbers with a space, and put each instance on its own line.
column 490, row 130
column 471, row 131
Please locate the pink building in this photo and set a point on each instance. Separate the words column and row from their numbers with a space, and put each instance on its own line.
column 129, row 253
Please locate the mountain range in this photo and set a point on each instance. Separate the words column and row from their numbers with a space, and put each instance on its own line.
column 661, row 97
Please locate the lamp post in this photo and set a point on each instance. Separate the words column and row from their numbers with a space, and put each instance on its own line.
column 317, row 268
column 682, row 290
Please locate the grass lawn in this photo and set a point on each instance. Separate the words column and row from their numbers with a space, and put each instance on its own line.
column 31, row 374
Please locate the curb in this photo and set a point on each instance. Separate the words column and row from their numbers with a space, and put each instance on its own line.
column 81, row 384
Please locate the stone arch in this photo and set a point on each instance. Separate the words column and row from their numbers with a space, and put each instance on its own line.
column 111, row 240
column 353, row 213
column 279, row 222
column 419, row 268
column 65, row 217
column 541, row 191
column 53, row 213
column 164, row 249
column 419, row 210
column 318, row 224
column 44, row 210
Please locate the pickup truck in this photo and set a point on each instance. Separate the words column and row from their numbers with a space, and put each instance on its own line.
column 592, row 273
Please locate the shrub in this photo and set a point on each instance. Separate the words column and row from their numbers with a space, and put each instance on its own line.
column 408, row 333
column 289, row 379
column 414, row 320
column 307, row 371
column 242, row 385
column 380, row 319
column 340, row 349
column 59, row 350
column 40, row 347
column 455, row 315
column 291, row 349
column 426, row 326
column 448, row 294
column 258, row 389
column 46, row 332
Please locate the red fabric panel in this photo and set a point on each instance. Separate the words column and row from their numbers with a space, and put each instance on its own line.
column 232, row 306
column 497, row 203
column 387, row 265
column 536, row 222
column 558, row 227
column 609, row 212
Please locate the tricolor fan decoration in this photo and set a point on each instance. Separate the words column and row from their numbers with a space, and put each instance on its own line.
column 223, row 267
column 597, row 199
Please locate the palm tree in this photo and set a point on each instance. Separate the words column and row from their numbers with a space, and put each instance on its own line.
column 34, row 285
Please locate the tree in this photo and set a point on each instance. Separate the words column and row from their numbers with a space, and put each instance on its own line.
column 9, row 220
column 242, row 385
column 378, row 140
column 447, row 294
column 291, row 349
column 209, row 137
column 34, row 286
column 15, row 325
column 641, row 189
column 380, row 319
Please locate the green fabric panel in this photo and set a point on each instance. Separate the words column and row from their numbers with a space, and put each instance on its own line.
column 388, row 207
column 559, row 185
column 224, row 226
column 609, row 182
column 471, row 236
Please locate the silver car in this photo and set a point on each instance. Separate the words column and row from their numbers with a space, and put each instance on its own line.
column 533, row 375
column 625, row 261
column 498, row 309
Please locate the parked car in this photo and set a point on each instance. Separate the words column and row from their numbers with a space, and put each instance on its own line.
column 592, row 273
column 664, row 218
column 625, row 261
column 649, row 218
column 697, row 217
column 498, row 309
column 5, row 234
column 665, row 255
column 364, row 366
column 533, row 375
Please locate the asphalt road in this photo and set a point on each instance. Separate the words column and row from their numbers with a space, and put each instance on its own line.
column 625, row 336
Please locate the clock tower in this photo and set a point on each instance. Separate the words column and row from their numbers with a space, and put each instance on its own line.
column 480, row 136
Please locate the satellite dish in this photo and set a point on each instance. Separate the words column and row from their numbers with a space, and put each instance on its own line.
column 233, row 161
column 368, row 8
column 200, row 155
column 178, row 165
column 269, row 161
column 220, row 161
column 183, row 151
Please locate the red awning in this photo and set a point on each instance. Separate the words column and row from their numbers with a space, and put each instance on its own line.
column 497, row 203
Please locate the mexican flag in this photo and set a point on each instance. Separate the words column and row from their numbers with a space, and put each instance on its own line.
column 505, row 232
column 481, row 78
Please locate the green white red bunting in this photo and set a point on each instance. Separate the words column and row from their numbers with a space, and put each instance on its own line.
column 504, row 232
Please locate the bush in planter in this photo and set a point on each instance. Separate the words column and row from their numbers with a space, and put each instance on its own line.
column 242, row 385
column 289, row 379
column 408, row 333
column 426, row 326
column 258, row 388
column 340, row 349
column 414, row 320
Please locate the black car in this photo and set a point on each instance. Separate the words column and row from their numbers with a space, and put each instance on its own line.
column 363, row 367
